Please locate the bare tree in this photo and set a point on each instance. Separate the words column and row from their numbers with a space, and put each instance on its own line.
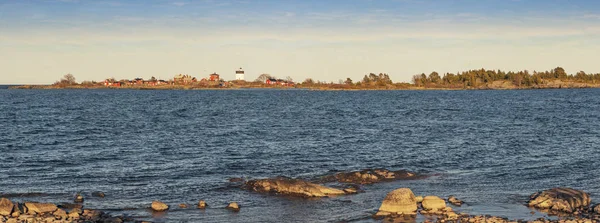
column 68, row 79
column 263, row 77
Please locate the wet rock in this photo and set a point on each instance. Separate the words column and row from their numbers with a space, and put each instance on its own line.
column 560, row 200
column 233, row 206
column 76, row 210
column 78, row 198
column 69, row 206
column 236, row 180
column 60, row 214
column 370, row 176
column 202, row 204
column 433, row 203
column 98, row 194
column 92, row 215
column 6, row 207
column 350, row 190
column 113, row 220
column 159, row 206
column 183, row 206
column 34, row 207
column 455, row 201
column 293, row 187
column 399, row 201
column 597, row 209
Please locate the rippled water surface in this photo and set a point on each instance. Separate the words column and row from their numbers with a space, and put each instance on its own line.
column 490, row 148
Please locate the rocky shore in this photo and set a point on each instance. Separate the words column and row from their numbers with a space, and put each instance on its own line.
column 564, row 205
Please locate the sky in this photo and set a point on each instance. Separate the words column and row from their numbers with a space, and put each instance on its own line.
column 327, row 40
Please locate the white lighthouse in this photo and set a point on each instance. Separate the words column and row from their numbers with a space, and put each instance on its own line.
column 239, row 74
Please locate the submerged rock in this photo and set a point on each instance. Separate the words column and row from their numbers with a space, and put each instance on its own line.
column 370, row 176
column 455, row 201
column 560, row 199
column 183, row 206
column 98, row 194
column 400, row 201
column 6, row 207
column 159, row 206
column 293, row 187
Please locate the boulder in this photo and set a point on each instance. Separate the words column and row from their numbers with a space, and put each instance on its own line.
column 78, row 198
column 399, row 201
column 560, row 200
column 159, row 206
column 12, row 220
column 433, row 203
column 597, row 209
column 73, row 215
column 202, row 204
column 92, row 215
column 293, row 187
column 98, row 194
column 60, row 214
column 455, row 201
column 34, row 207
column 233, row 206
column 370, row 176
column 6, row 207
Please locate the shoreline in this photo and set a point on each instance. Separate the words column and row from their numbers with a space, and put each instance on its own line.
column 311, row 88
column 546, row 206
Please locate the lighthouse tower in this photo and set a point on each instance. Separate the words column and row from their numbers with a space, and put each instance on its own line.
column 239, row 74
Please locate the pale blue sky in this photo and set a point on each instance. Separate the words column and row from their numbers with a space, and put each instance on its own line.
column 41, row 40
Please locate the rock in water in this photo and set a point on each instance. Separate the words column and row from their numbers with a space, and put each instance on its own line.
column 159, row 206
column 6, row 207
column 455, row 201
column 98, row 194
column 399, row 201
column 33, row 207
column 369, row 176
column 233, row 206
column 202, row 204
column 292, row 187
column 597, row 209
column 183, row 206
column 433, row 203
column 560, row 199
column 78, row 198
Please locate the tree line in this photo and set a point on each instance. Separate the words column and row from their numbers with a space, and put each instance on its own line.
column 476, row 78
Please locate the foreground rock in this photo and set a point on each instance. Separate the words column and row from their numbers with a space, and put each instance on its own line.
column 35, row 208
column 560, row 200
column 159, row 206
column 370, row 176
column 47, row 212
column 6, row 207
column 398, row 202
column 597, row 209
column 293, row 187
column 433, row 203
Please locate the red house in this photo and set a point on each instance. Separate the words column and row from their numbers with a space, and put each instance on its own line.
column 214, row 77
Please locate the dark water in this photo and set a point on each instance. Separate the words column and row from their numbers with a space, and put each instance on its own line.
column 490, row 148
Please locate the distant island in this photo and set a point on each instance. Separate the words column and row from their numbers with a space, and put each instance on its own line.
column 469, row 80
